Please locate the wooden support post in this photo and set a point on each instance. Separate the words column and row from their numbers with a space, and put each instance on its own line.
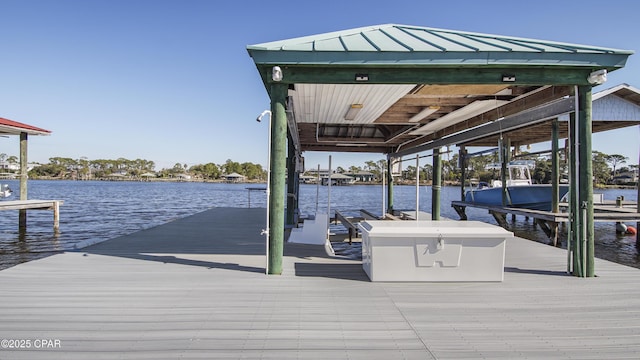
column 582, row 226
column 586, row 177
column 291, row 187
column 22, row 213
column 461, row 211
column 435, row 188
column 278, row 174
column 463, row 170
column 500, row 218
column 504, row 151
column 574, row 210
column 390, row 184
column 56, row 217
column 555, row 168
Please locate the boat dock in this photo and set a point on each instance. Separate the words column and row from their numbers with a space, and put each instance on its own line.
column 196, row 288
column 549, row 221
column 53, row 205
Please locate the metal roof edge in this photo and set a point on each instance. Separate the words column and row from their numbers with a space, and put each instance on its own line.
column 324, row 36
column 448, row 58
column 614, row 89
column 21, row 127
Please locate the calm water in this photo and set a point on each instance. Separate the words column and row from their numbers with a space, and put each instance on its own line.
column 95, row 211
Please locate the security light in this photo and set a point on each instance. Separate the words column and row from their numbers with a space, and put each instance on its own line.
column 276, row 73
column 597, row 77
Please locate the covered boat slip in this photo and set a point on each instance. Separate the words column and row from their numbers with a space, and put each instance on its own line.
column 195, row 288
column 401, row 90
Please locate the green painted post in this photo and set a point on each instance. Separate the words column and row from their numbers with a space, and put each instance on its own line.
column 291, row 176
column 435, row 188
column 389, row 185
column 278, row 173
column 574, row 225
column 586, row 176
column 555, row 168
column 463, row 169
column 503, row 171
column 22, row 213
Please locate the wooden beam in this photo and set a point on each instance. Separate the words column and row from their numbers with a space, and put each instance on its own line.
column 524, row 118
column 22, row 214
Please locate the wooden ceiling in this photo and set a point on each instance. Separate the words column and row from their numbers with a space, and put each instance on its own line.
column 393, row 129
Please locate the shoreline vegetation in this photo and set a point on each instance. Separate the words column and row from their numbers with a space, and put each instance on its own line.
column 220, row 181
column 608, row 170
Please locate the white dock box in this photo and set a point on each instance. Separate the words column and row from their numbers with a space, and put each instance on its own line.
column 433, row 250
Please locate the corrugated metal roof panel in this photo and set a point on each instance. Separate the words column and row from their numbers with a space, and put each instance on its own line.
column 439, row 42
column 331, row 44
column 383, row 42
column 410, row 40
column 357, row 42
column 423, row 45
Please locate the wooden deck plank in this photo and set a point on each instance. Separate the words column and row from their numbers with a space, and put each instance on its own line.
column 30, row 204
column 195, row 288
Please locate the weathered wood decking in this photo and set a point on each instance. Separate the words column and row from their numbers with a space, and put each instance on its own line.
column 195, row 289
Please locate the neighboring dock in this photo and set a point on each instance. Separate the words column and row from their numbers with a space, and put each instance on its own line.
column 53, row 205
column 549, row 221
column 196, row 288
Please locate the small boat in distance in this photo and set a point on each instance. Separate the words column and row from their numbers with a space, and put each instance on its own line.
column 521, row 192
column 5, row 191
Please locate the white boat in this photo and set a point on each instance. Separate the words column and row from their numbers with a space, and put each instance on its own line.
column 521, row 192
column 5, row 191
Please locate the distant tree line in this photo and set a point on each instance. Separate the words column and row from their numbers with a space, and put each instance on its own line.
column 605, row 168
column 85, row 169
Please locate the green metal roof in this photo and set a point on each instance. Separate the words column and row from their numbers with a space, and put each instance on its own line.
column 393, row 44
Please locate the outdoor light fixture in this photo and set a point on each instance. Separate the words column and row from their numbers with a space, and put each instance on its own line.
column 353, row 111
column 362, row 77
column 508, row 78
column 424, row 113
column 276, row 73
column 597, row 77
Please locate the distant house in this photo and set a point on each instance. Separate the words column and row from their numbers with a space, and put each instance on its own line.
column 362, row 176
column 308, row 179
column 314, row 172
column 5, row 165
column 625, row 178
column 338, row 179
column 183, row 177
column 234, row 178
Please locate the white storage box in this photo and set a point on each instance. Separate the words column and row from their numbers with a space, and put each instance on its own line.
column 433, row 250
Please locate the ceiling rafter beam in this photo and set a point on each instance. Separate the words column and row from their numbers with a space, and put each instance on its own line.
column 528, row 117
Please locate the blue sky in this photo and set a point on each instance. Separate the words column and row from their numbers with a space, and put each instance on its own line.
column 171, row 81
